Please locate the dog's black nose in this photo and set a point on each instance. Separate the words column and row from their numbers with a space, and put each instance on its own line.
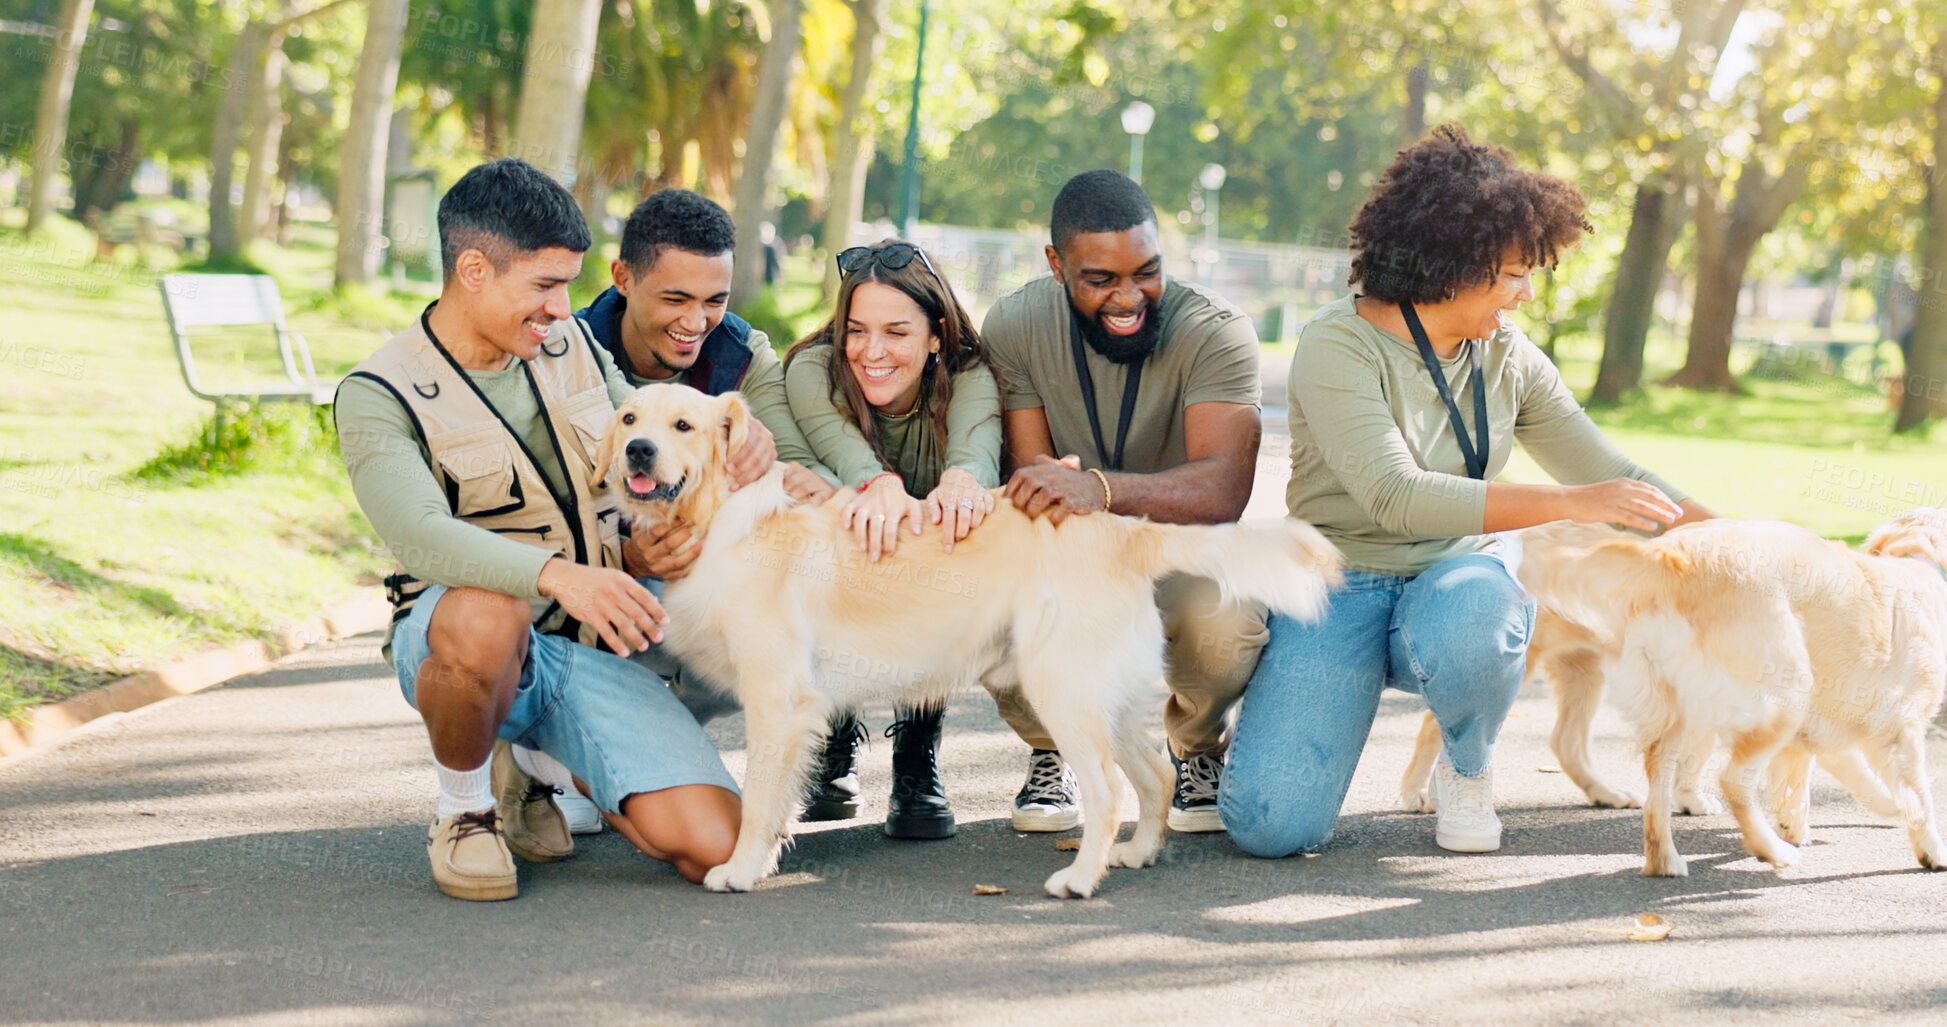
column 642, row 454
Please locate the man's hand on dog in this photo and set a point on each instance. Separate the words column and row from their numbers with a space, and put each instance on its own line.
column 873, row 518
column 754, row 457
column 620, row 610
column 1054, row 487
column 664, row 551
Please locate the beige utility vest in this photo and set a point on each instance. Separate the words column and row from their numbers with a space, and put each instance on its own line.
column 490, row 478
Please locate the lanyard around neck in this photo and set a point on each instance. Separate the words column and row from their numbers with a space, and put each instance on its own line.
column 1476, row 454
column 1129, row 389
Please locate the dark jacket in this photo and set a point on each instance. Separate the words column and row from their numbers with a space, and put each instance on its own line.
column 719, row 368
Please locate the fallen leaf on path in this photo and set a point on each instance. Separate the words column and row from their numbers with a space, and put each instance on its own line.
column 1548, row 770
column 1649, row 927
column 989, row 889
column 1067, row 844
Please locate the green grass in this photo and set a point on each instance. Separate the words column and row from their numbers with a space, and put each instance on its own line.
column 120, row 548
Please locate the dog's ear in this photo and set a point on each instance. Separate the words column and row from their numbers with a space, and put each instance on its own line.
column 605, row 453
column 736, row 423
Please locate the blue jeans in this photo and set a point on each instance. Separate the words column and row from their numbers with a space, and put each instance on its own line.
column 1456, row 634
column 610, row 721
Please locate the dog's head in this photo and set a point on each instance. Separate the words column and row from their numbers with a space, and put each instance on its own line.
column 1921, row 532
column 669, row 451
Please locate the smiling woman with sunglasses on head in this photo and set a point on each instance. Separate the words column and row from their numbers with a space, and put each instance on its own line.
column 894, row 395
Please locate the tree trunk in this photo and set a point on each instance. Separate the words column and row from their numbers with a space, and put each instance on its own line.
column 104, row 188
column 51, row 119
column 227, row 133
column 1412, row 117
column 760, row 146
column 266, row 112
column 1925, row 382
column 852, row 137
column 1654, row 223
column 554, row 85
column 1725, row 242
column 361, row 176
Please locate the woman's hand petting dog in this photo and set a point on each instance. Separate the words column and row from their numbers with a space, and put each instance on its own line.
column 1624, row 501
column 661, row 551
column 620, row 610
column 754, row 457
column 1055, row 487
column 803, row 484
column 873, row 518
column 958, row 504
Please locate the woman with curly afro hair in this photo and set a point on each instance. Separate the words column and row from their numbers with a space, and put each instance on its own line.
column 1406, row 398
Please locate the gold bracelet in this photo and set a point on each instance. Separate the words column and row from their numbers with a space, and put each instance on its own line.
column 1108, row 497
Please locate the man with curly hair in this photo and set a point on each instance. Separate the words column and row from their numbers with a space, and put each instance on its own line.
column 1406, row 399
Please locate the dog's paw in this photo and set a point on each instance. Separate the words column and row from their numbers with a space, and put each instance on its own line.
column 724, row 879
column 1072, row 883
column 1780, row 856
column 1131, row 854
column 1614, row 798
column 1794, row 830
column 1697, row 804
column 1665, row 865
column 1931, row 854
column 1418, row 800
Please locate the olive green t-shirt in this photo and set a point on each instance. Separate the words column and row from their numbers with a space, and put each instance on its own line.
column 973, row 429
column 1374, row 461
column 1208, row 352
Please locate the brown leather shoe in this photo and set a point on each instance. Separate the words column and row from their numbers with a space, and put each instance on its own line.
column 530, row 821
column 470, row 859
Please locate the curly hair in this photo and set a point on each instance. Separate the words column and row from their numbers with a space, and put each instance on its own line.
column 1441, row 218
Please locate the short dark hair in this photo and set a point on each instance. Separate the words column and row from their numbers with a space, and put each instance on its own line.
column 1098, row 201
column 688, row 221
column 1448, row 209
column 504, row 208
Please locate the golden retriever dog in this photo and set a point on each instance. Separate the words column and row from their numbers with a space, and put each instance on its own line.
column 1765, row 636
column 781, row 611
column 1570, row 659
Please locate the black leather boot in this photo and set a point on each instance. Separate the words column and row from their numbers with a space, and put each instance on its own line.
column 918, row 808
column 834, row 792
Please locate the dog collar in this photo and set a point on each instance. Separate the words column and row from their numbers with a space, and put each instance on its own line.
column 1942, row 571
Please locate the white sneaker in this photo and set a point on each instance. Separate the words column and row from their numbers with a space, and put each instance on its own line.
column 1047, row 800
column 1466, row 820
column 583, row 816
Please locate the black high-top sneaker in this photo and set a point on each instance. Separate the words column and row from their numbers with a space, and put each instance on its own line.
column 834, row 793
column 919, row 809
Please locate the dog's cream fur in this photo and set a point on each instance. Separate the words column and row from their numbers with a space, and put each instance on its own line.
column 781, row 611
column 1764, row 636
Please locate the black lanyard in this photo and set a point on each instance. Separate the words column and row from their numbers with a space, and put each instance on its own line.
column 1129, row 389
column 1476, row 454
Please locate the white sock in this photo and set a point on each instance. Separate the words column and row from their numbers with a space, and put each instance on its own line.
column 465, row 791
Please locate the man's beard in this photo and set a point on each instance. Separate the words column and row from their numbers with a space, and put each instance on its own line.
column 1121, row 349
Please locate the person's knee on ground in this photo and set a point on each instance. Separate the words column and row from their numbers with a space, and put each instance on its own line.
column 690, row 827
column 1265, row 828
column 477, row 641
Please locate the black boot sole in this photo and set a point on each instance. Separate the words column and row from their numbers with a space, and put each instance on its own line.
column 921, row 829
column 826, row 809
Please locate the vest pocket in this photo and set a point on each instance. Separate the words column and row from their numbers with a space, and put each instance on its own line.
column 592, row 413
column 480, row 478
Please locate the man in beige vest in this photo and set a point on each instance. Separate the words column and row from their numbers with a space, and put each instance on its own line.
column 469, row 440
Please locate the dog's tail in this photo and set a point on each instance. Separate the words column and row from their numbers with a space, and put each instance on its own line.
column 1598, row 578
column 1286, row 567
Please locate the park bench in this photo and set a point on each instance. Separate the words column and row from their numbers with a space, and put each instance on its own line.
column 241, row 303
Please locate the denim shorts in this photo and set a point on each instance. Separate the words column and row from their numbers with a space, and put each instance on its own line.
column 611, row 721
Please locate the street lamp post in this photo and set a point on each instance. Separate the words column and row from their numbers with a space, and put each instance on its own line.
column 909, row 175
column 1136, row 119
column 1211, row 178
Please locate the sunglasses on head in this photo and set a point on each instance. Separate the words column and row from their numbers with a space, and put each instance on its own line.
column 891, row 256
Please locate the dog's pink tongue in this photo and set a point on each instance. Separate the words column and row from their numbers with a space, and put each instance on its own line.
column 641, row 483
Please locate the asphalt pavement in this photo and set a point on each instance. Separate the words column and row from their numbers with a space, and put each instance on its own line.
column 255, row 853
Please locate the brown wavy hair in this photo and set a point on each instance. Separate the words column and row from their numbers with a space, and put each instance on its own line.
column 960, row 345
column 1440, row 219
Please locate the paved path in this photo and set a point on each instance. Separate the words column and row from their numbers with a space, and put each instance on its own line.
column 255, row 853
